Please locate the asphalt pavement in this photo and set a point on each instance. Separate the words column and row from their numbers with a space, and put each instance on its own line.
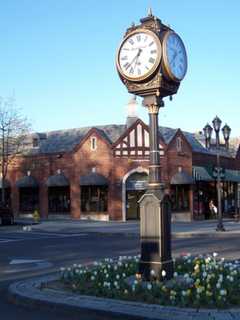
column 47, row 246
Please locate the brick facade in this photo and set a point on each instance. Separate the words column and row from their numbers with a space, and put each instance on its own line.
column 115, row 156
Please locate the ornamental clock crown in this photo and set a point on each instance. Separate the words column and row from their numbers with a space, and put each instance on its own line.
column 151, row 59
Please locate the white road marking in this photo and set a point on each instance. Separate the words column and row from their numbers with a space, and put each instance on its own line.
column 9, row 240
column 129, row 252
column 23, row 265
column 39, row 236
column 57, row 235
column 24, row 261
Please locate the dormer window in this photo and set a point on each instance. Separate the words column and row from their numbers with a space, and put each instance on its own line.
column 93, row 142
column 179, row 144
column 35, row 143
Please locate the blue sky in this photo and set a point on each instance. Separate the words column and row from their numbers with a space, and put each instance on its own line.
column 58, row 59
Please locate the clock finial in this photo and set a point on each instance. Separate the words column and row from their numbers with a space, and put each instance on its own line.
column 150, row 12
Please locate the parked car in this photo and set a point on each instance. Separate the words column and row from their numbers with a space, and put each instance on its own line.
column 6, row 215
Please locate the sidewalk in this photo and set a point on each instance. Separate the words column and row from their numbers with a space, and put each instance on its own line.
column 34, row 293
column 179, row 229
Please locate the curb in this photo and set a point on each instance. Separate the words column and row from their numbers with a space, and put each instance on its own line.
column 214, row 234
column 29, row 293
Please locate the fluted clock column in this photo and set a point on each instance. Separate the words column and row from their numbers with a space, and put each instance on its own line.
column 155, row 222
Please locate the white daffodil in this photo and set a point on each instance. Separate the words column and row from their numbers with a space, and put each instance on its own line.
column 152, row 273
column 223, row 292
column 149, row 286
column 164, row 273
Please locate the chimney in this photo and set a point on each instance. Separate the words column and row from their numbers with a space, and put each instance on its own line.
column 132, row 111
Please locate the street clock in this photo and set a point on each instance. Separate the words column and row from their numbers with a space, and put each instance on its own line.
column 151, row 58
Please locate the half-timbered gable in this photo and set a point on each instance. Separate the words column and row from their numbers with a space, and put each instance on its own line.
column 135, row 142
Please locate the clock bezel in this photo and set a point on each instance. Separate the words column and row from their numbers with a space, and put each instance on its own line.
column 166, row 66
column 156, row 64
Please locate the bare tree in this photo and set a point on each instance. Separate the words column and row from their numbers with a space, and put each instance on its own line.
column 13, row 130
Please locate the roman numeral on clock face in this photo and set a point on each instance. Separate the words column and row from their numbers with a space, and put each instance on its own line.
column 151, row 60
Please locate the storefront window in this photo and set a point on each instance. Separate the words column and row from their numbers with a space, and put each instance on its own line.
column 180, row 198
column 28, row 199
column 58, row 199
column 94, row 198
column 7, row 196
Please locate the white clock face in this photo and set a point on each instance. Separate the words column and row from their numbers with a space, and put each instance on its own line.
column 174, row 56
column 139, row 55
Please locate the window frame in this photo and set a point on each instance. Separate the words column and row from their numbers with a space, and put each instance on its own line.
column 93, row 143
column 179, row 144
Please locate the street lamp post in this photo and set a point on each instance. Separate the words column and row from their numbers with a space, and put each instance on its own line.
column 226, row 134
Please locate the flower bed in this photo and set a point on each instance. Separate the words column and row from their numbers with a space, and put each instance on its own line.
column 202, row 281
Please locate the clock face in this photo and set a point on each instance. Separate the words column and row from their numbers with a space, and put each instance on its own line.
column 139, row 55
column 174, row 56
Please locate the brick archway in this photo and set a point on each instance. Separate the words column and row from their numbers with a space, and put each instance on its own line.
column 124, row 180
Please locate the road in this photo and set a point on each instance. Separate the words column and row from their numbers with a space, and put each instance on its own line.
column 25, row 254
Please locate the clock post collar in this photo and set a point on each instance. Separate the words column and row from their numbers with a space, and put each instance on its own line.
column 151, row 101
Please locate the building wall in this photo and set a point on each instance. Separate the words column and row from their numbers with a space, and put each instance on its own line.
column 83, row 159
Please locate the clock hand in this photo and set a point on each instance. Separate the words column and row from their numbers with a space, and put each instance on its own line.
column 136, row 61
column 137, row 55
column 174, row 57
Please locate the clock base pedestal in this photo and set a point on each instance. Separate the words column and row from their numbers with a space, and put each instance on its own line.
column 155, row 230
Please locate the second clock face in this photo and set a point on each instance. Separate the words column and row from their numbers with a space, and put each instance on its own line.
column 174, row 56
column 139, row 55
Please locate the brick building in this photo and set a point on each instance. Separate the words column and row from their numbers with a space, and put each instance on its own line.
column 100, row 172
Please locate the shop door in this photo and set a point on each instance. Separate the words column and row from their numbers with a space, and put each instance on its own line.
column 133, row 209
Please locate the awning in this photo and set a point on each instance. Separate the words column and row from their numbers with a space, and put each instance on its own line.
column 93, row 179
column 57, row 180
column 232, row 175
column 27, row 182
column 201, row 174
column 182, row 178
column 6, row 183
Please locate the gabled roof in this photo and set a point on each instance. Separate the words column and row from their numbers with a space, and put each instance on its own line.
column 61, row 141
column 196, row 141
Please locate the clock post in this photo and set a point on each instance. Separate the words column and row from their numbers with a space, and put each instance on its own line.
column 151, row 62
column 155, row 223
